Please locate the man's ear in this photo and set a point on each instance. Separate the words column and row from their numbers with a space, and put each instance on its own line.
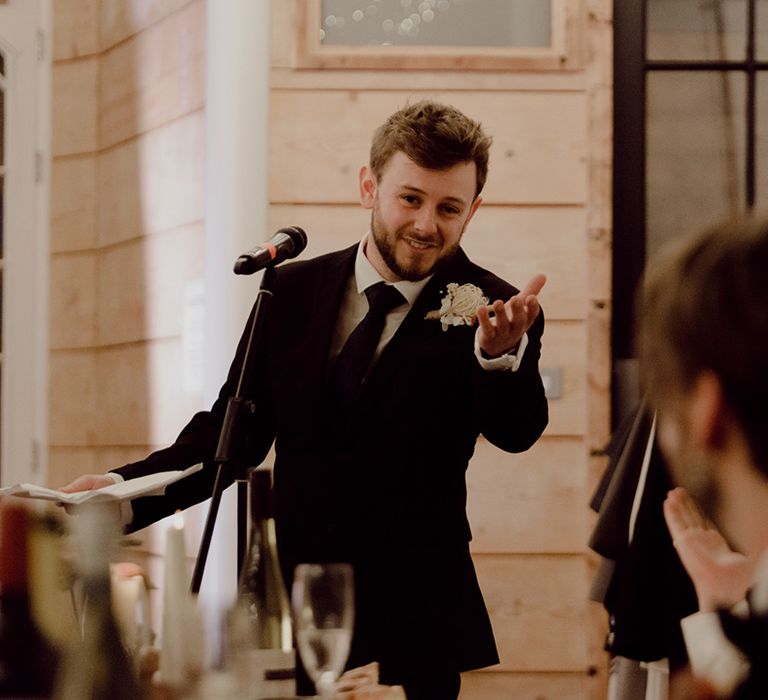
column 473, row 208
column 708, row 414
column 368, row 186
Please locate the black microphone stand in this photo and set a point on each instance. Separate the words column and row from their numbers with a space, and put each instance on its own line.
column 231, row 453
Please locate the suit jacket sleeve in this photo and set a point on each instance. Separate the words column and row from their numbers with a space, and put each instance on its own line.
column 511, row 406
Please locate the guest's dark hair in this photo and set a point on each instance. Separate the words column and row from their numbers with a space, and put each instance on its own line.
column 705, row 308
column 433, row 136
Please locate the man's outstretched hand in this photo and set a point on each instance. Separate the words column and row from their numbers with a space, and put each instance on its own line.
column 502, row 332
column 720, row 576
column 87, row 482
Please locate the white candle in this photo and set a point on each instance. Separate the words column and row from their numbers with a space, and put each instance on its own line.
column 176, row 604
column 127, row 603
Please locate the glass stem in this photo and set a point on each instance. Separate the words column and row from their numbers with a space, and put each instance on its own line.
column 326, row 686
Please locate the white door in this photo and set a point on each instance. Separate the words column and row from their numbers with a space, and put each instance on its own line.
column 24, row 181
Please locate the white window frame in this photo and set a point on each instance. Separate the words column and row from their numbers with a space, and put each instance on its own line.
column 25, row 31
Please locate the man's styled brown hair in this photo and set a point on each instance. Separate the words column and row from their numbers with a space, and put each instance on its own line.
column 433, row 136
column 705, row 308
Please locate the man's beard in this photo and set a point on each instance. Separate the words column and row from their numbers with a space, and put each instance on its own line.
column 385, row 242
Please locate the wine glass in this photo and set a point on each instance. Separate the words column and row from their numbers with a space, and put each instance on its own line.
column 323, row 608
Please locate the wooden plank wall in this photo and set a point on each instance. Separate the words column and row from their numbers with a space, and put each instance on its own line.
column 126, row 225
column 547, row 208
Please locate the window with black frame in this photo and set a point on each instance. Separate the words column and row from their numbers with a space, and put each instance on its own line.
column 3, row 85
column 691, row 138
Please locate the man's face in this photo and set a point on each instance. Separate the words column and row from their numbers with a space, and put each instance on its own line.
column 689, row 465
column 418, row 215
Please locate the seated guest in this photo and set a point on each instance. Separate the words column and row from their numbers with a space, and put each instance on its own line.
column 704, row 353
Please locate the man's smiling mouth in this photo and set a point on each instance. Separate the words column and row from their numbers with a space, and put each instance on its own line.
column 419, row 244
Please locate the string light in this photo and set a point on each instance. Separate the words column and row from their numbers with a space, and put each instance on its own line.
column 382, row 21
column 412, row 14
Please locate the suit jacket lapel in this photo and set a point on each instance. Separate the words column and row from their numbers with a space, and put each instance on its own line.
column 413, row 326
column 330, row 286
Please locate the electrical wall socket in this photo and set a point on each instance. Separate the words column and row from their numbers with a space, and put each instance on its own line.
column 553, row 385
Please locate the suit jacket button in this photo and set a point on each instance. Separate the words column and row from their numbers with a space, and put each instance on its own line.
column 332, row 529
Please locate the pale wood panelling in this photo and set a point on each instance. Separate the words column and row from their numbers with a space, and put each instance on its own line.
column 156, row 269
column 72, row 400
column 517, row 243
column 538, row 611
column 428, row 81
column 283, row 24
column 112, row 456
column 513, row 242
column 538, row 156
column 67, row 463
column 600, row 224
column 77, row 28
column 328, row 227
column 141, row 396
column 528, row 502
column 73, row 300
column 564, row 345
column 599, row 379
column 153, row 77
column 522, row 686
column 75, row 107
column 153, row 183
column 73, row 203
column 120, row 19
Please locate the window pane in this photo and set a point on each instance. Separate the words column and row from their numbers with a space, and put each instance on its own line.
column 715, row 30
column 436, row 22
column 761, row 33
column 695, row 158
column 761, row 137
column 2, row 126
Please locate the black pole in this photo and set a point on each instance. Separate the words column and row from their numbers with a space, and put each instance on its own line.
column 231, row 454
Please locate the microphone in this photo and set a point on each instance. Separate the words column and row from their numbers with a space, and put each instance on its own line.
column 285, row 244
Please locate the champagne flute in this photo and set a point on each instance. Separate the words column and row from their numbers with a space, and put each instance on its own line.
column 323, row 607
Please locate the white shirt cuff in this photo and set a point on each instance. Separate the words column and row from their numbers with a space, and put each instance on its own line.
column 510, row 361
column 126, row 509
column 711, row 654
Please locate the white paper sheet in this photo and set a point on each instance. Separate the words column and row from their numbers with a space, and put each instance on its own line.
column 150, row 485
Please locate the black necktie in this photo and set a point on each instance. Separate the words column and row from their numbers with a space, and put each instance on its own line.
column 352, row 364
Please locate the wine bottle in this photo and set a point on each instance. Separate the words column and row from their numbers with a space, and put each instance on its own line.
column 27, row 659
column 262, row 629
column 97, row 665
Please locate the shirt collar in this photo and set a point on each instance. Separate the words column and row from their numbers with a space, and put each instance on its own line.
column 366, row 275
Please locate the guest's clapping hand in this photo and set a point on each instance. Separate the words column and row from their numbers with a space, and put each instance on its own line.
column 720, row 576
column 502, row 332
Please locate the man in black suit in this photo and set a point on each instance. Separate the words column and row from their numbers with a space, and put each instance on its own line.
column 370, row 468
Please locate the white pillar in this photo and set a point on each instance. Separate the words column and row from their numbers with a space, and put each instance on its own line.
column 236, row 194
